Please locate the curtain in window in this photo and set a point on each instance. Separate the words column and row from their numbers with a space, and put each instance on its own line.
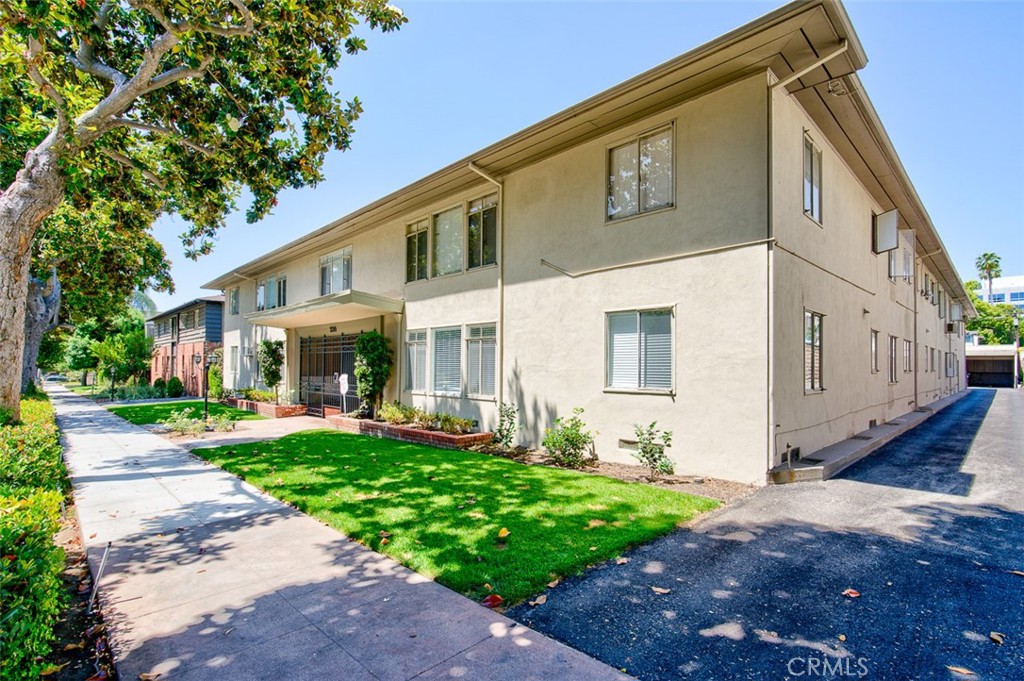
column 448, row 242
column 656, row 171
column 448, row 360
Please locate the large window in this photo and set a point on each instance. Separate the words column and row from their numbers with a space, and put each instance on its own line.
column 336, row 272
column 640, row 175
column 446, row 251
column 272, row 292
column 640, row 350
column 416, row 250
column 812, row 180
column 874, row 351
column 416, row 360
column 907, row 352
column 482, row 226
column 893, row 376
column 813, row 345
column 188, row 319
column 448, row 360
column 233, row 301
column 481, row 355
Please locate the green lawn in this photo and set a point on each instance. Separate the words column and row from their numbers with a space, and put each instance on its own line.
column 86, row 390
column 441, row 510
column 142, row 414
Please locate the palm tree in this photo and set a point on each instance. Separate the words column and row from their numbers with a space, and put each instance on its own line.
column 988, row 267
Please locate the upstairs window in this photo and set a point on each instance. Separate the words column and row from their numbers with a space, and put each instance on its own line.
column 447, row 240
column 482, row 355
column 233, row 301
column 272, row 292
column 188, row 319
column 813, row 345
column 482, row 226
column 640, row 175
column 998, row 297
column 812, row 180
column 336, row 272
column 639, row 348
column 416, row 250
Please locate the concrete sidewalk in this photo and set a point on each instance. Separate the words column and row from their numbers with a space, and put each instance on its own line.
column 209, row 578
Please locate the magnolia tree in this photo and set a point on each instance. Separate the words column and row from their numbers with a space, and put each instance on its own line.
column 199, row 100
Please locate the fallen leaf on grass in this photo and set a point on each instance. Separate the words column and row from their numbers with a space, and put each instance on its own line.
column 492, row 601
column 539, row 600
column 488, row 587
column 997, row 637
column 383, row 534
column 52, row 669
column 961, row 670
column 503, row 532
column 553, row 583
column 593, row 548
column 385, row 541
column 851, row 593
column 621, row 560
column 661, row 591
column 595, row 522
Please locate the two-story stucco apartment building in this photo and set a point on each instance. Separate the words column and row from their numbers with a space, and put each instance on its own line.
column 726, row 244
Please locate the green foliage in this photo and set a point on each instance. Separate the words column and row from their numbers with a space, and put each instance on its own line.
column 256, row 395
column 184, row 422
column 52, row 350
column 989, row 266
column 374, row 360
column 569, row 442
column 651, row 444
column 505, row 431
column 396, row 413
column 160, row 385
column 442, row 509
column 270, row 355
column 222, row 423
column 994, row 323
column 216, row 386
column 32, row 482
column 78, row 352
column 174, row 387
column 125, row 351
column 143, row 414
column 139, row 391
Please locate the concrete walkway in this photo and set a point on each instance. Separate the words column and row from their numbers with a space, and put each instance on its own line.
column 209, row 578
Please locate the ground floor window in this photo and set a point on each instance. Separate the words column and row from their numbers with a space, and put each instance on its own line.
column 639, row 349
column 233, row 359
column 892, row 359
column 813, row 347
column 481, row 352
column 907, row 351
column 416, row 360
column 448, row 360
column 874, row 351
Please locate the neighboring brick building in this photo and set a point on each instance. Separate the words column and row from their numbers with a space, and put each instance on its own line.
column 182, row 333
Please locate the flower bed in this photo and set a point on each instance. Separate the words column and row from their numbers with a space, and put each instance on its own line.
column 274, row 411
column 434, row 438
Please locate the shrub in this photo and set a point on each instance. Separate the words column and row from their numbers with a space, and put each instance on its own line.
column 449, row 423
column 650, row 452
column 183, row 422
column 160, row 385
column 216, row 387
column 569, row 443
column 505, row 431
column 270, row 355
column 396, row 413
column 374, row 360
column 137, row 392
column 222, row 423
column 254, row 395
column 174, row 387
column 32, row 482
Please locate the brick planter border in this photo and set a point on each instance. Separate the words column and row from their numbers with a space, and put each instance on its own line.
column 434, row 438
column 274, row 411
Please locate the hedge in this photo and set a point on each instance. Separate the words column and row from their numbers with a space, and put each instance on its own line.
column 32, row 484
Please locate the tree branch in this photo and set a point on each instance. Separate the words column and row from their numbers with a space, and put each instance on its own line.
column 85, row 59
column 160, row 130
column 231, row 31
column 128, row 163
column 33, row 57
column 178, row 73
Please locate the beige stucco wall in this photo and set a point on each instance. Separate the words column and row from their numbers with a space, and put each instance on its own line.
column 830, row 268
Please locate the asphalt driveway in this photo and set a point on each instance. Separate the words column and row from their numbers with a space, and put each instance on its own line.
column 927, row 530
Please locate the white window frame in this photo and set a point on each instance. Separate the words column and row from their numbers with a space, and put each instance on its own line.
column 482, row 341
column 413, row 340
column 345, row 256
column 635, row 140
column 268, row 283
column 812, row 210
column 233, row 300
column 484, row 207
column 893, row 367
column 233, row 359
column 908, row 354
column 412, row 231
column 874, row 351
column 639, row 311
column 816, row 371
column 434, row 363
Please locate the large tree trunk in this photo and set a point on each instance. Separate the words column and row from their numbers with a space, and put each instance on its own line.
column 36, row 192
column 41, row 314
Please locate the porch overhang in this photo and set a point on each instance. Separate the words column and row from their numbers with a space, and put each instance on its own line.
column 343, row 306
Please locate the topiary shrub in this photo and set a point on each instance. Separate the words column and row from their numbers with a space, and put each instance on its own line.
column 374, row 360
column 216, row 387
column 175, row 387
column 160, row 386
column 569, row 443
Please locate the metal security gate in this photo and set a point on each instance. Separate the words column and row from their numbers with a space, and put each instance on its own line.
column 322, row 361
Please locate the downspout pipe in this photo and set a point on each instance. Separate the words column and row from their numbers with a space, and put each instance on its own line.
column 499, row 382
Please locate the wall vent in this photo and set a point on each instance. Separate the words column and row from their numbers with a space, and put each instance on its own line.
column 872, row 423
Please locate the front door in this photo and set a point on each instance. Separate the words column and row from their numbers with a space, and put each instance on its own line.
column 322, row 361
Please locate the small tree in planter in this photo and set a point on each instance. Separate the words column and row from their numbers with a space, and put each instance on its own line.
column 374, row 360
column 270, row 355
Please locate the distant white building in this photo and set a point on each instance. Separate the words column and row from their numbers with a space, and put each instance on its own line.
column 1004, row 290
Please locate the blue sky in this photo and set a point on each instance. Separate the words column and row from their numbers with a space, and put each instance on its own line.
column 945, row 78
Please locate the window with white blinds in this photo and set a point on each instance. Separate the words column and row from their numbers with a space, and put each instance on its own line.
column 640, row 350
column 448, row 360
column 416, row 360
column 481, row 354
